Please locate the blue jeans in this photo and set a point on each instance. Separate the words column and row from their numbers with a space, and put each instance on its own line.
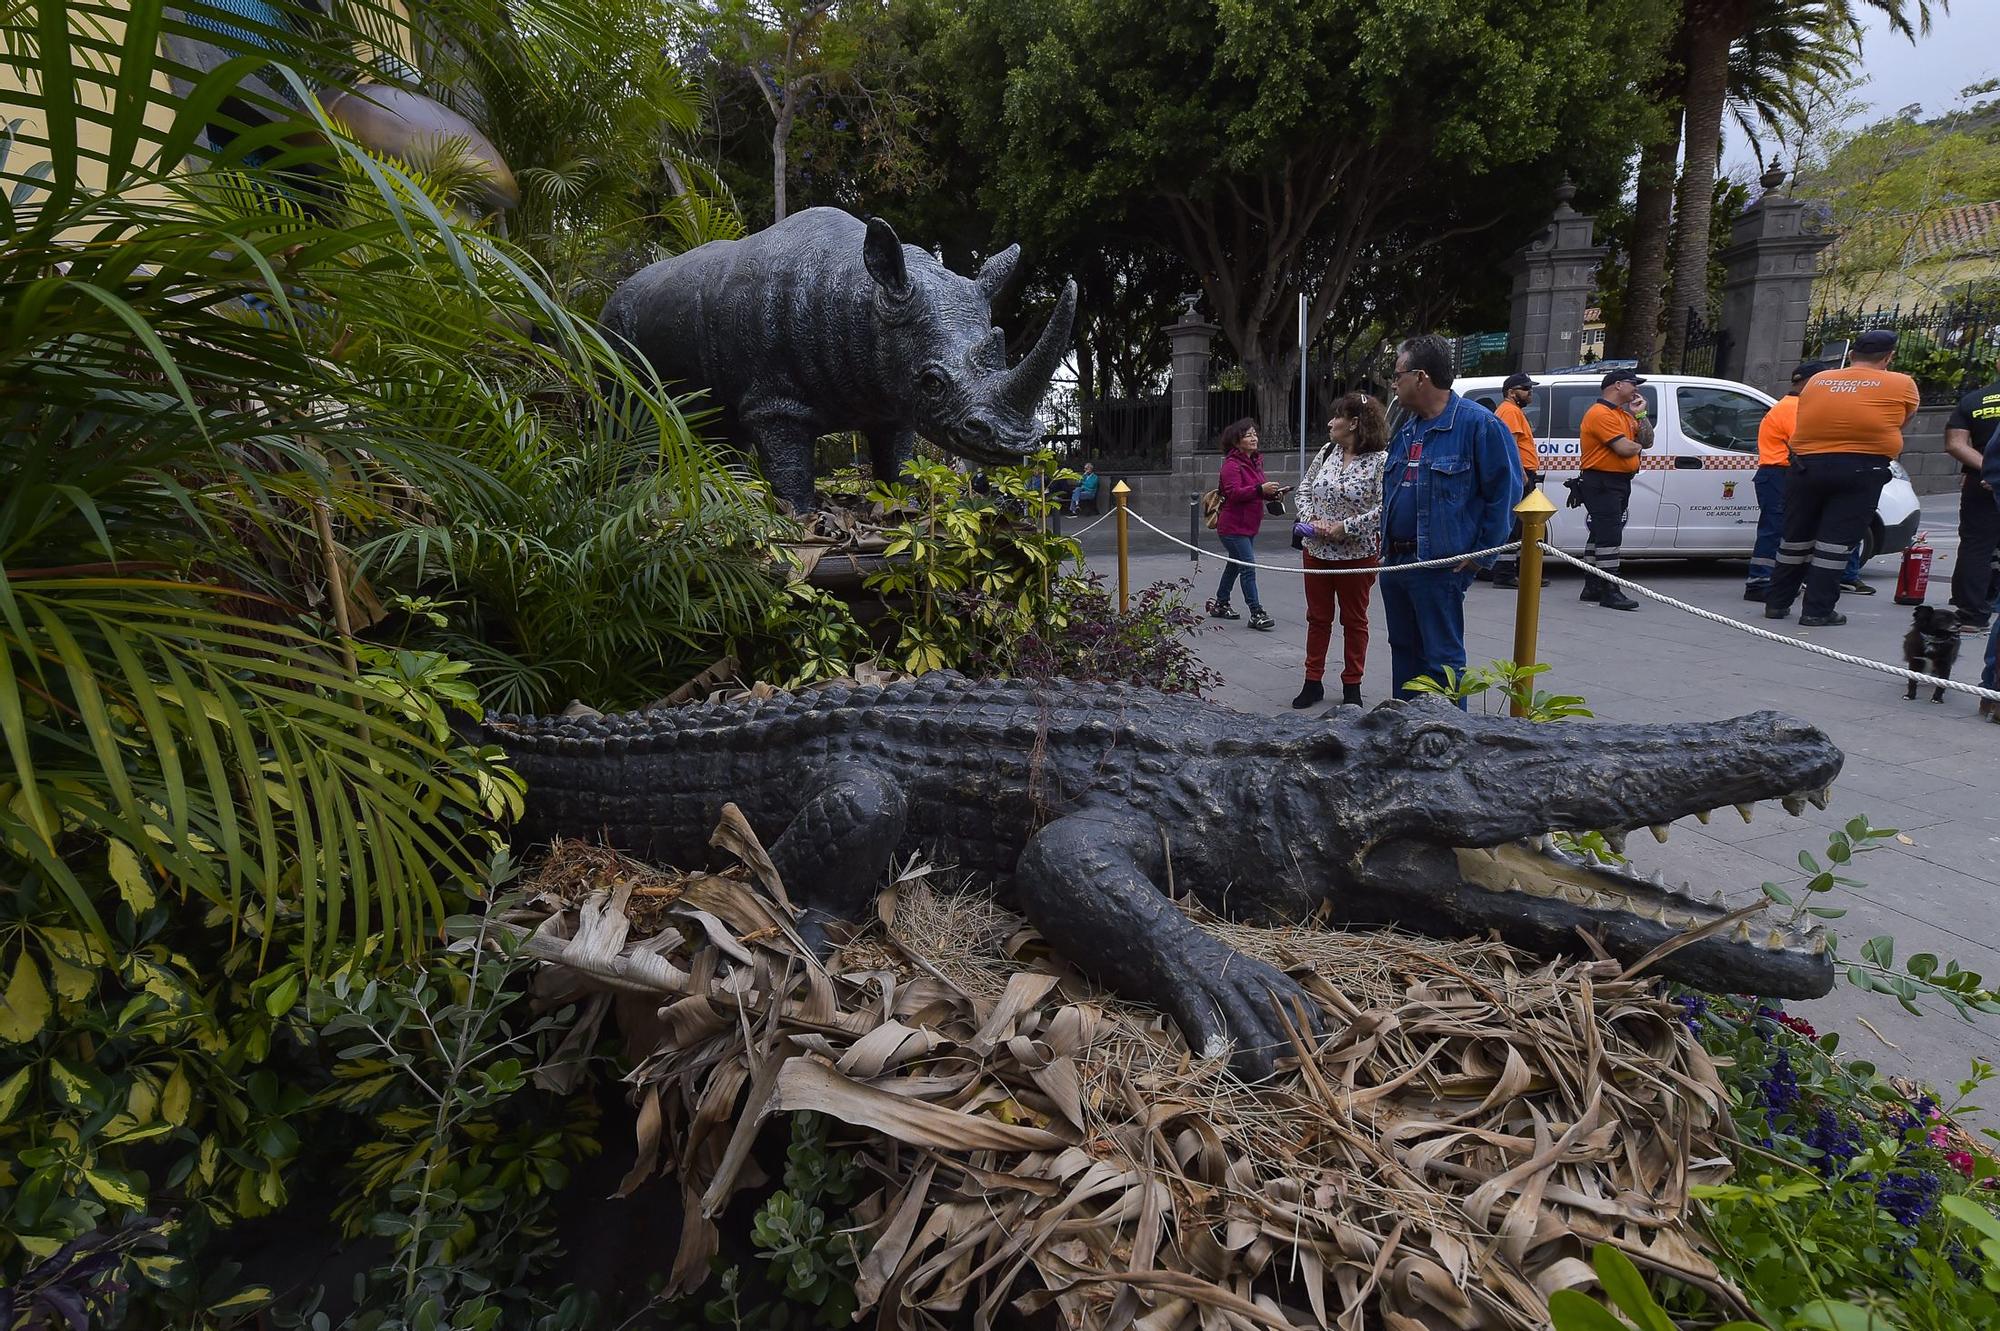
column 1426, row 615
column 1770, row 485
column 1243, row 548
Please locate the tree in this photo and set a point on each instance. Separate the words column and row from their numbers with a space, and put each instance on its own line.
column 792, row 49
column 1792, row 50
column 1712, row 28
column 1276, row 147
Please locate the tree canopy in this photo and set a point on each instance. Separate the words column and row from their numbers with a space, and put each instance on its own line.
column 1292, row 147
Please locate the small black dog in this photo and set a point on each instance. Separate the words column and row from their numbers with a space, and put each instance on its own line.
column 1931, row 646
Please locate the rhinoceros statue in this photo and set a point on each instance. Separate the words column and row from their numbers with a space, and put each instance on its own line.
column 824, row 323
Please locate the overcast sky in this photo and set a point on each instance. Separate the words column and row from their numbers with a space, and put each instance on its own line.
column 1963, row 47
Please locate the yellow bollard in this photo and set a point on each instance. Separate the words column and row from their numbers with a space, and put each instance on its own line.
column 1534, row 510
column 1122, row 492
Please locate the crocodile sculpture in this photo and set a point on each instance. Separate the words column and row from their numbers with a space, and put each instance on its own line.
column 1085, row 801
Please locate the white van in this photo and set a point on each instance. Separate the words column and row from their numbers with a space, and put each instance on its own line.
column 1693, row 497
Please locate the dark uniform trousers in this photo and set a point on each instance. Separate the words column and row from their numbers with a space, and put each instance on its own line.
column 1976, row 579
column 1606, row 497
column 1509, row 566
column 1828, row 498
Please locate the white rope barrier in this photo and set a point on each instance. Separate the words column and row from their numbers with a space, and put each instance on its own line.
column 1072, row 535
column 1379, row 570
column 1931, row 681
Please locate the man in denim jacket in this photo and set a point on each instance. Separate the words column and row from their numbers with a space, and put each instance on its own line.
column 1449, row 487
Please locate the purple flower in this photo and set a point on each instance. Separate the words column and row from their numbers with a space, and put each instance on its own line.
column 840, row 126
column 1908, row 1197
column 1693, row 1008
column 1837, row 1142
column 1780, row 1088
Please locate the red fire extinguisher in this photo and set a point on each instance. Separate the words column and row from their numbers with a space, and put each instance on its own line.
column 1914, row 579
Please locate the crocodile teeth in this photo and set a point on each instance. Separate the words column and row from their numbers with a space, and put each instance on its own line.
column 1776, row 940
column 1819, row 798
column 1794, row 805
column 1539, row 841
column 1575, row 895
column 1659, row 831
column 1818, row 942
column 1741, row 933
column 1744, row 811
column 1659, row 880
column 1715, row 898
column 1701, row 816
column 1615, row 840
column 1658, row 915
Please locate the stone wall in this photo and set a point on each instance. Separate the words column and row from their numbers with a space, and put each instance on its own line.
column 1932, row 470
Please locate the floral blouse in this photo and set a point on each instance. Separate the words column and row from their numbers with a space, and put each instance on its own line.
column 1349, row 493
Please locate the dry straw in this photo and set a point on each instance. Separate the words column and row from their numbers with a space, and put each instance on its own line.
column 1446, row 1159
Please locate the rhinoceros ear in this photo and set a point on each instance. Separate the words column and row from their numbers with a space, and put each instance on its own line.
column 883, row 254
column 997, row 272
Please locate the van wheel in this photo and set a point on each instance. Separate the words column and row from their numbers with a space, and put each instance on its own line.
column 1871, row 544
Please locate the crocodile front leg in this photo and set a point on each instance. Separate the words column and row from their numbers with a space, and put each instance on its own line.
column 832, row 855
column 1086, row 882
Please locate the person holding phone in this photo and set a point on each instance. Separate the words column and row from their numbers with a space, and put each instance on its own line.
column 1245, row 495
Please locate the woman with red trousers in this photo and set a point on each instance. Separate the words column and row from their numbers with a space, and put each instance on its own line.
column 1340, row 519
column 1245, row 492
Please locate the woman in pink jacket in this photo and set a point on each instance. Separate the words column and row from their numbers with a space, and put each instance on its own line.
column 1244, row 494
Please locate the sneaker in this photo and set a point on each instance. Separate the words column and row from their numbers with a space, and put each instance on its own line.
column 1221, row 610
column 1756, row 591
column 1857, row 589
column 1260, row 621
column 1830, row 619
column 1310, row 694
column 1967, row 624
column 1350, row 695
column 1615, row 599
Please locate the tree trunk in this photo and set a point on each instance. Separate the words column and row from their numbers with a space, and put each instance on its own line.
column 1652, row 227
column 1274, row 380
column 781, row 137
column 1708, row 39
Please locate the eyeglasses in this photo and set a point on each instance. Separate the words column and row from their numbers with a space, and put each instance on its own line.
column 1398, row 375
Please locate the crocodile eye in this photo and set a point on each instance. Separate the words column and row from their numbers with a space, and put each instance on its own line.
column 1433, row 748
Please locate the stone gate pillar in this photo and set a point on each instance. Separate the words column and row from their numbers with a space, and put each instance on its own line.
column 1554, row 275
column 1769, row 267
column 1191, row 341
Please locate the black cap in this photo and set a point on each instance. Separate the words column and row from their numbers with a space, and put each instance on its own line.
column 1807, row 369
column 1622, row 376
column 1517, row 381
column 1874, row 342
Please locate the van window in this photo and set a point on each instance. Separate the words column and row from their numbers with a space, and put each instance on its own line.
column 1537, row 412
column 1568, row 405
column 1720, row 417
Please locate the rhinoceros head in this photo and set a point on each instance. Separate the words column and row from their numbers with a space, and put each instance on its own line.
column 938, row 332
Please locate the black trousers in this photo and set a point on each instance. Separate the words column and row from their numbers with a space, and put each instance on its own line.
column 1606, row 497
column 1975, row 580
column 1828, row 499
column 1509, row 566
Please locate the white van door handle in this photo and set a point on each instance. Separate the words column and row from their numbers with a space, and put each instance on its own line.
column 1686, row 462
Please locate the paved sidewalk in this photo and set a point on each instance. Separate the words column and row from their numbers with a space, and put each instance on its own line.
column 1931, row 771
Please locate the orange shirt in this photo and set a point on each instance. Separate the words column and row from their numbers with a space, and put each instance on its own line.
column 1860, row 409
column 1516, row 421
column 1601, row 424
column 1774, row 436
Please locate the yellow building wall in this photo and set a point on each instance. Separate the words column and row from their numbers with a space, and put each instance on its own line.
column 96, row 95
column 1917, row 285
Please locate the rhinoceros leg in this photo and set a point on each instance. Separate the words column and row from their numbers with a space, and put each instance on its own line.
column 832, row 854
column 1087, row 883
column 784, row 432
column 889, row 451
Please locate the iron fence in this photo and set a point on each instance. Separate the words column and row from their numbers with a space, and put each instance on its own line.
column 1707, row 347
column 1949, row 348
column 1121, row 435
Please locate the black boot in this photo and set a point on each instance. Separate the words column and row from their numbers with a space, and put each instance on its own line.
column 1350, row 695
column 1614, row 598
column 1592, row 588
column 1310, row 694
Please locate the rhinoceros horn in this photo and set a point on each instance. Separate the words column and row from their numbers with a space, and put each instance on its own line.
column 1028, row 381
column 997, row 272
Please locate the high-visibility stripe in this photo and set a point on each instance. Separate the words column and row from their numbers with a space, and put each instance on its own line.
column 1665, row 462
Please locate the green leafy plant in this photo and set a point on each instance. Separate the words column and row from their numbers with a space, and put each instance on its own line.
column 1503, row 684
column 1626, row 1289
